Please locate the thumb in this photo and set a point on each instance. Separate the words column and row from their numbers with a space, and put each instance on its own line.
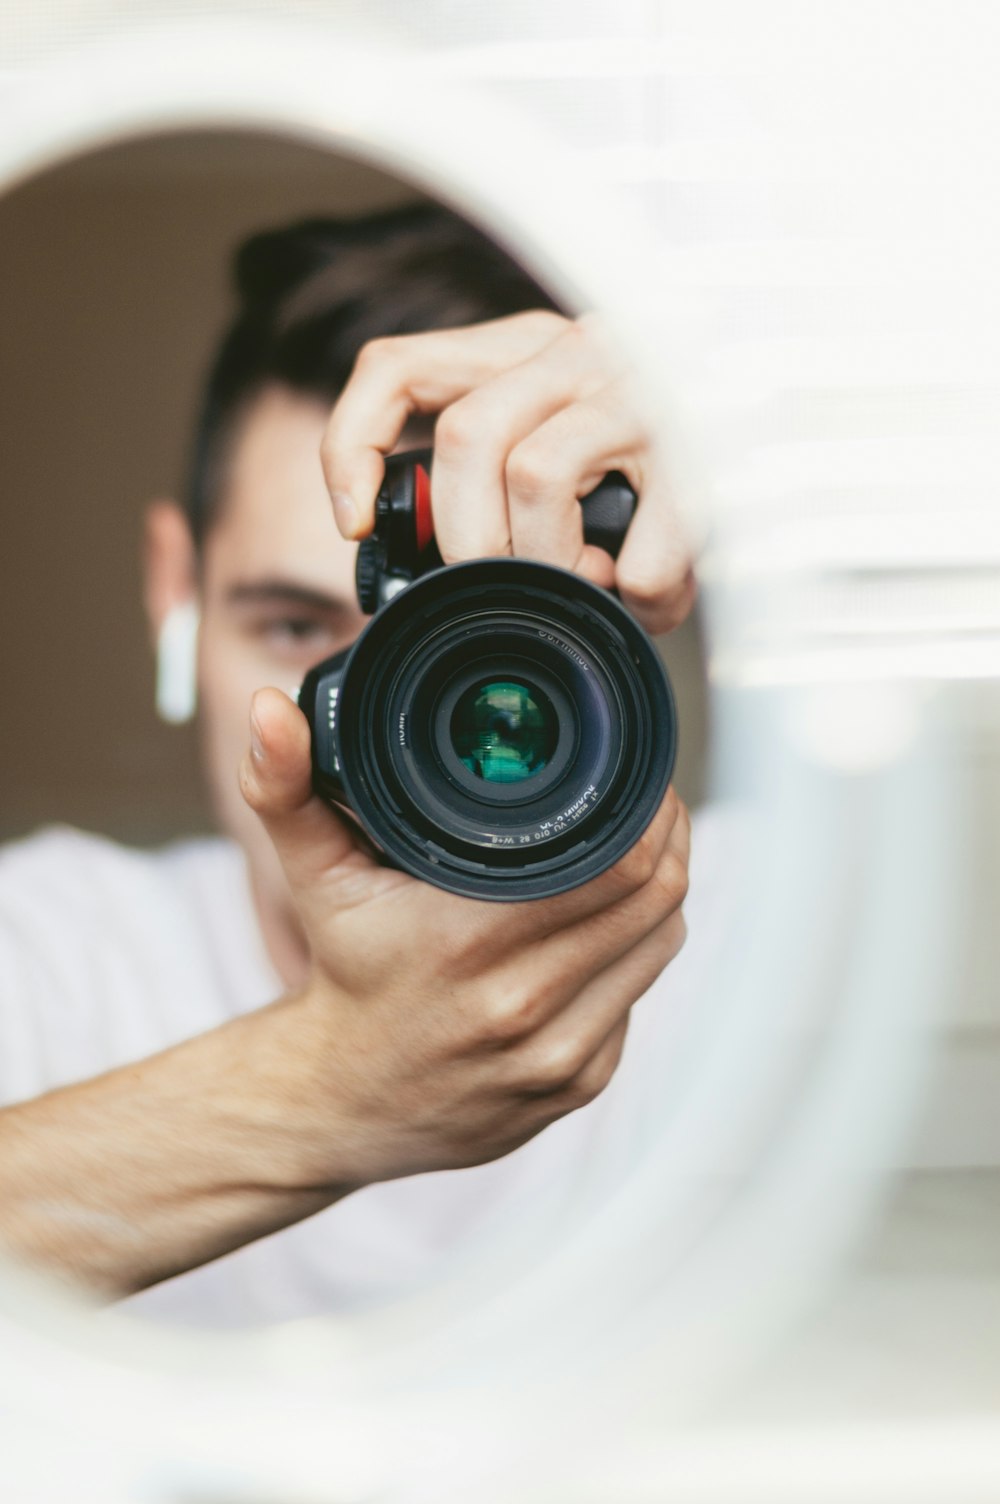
column 276, row 782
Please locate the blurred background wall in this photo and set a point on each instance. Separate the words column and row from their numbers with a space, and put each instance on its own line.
column 117, row 275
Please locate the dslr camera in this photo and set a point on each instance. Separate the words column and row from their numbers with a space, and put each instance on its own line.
column 502, row 729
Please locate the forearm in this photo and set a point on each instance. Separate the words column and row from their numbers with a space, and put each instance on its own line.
column 124, row 1180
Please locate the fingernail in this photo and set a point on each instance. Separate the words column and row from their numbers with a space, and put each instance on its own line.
column 256, row 739
column 346, row 513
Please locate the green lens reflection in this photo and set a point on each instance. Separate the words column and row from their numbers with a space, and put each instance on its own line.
column 504, row 732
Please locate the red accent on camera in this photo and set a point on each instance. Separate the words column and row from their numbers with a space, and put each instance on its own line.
column 422, row 508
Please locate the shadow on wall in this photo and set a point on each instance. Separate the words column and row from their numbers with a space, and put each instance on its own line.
column 117, row 275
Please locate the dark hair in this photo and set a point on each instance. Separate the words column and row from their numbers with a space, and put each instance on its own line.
column 310, row 295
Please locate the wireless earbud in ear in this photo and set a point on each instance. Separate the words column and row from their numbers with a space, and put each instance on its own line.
column 176, row 656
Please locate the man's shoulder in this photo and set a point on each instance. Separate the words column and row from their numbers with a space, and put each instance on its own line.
column 60, row 861
column 58, row 841
column 89, row 893
column 109, row 953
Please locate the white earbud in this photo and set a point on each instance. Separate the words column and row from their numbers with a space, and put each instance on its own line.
column 176, row 661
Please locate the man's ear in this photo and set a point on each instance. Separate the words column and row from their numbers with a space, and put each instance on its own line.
column 172, row 609
column 168, row 564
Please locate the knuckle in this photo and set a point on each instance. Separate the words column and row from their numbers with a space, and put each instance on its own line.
column 543, row 320
column 597, row 1076
column 672, row 880
column 529, row 473
column 375, row 355
column 669, row 611
column 644, row 587
column 637, row 866
column 555, row 1064
column 456, row 429
column 509, row 1013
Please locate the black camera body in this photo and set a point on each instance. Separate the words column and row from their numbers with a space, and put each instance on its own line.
column 501, row 728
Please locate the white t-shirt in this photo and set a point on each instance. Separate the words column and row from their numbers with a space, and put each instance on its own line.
column 108, row 955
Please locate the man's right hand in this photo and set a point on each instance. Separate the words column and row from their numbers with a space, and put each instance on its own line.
column 445, row 1031
column 433, row 1032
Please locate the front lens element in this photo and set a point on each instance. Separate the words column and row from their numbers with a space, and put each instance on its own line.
column 504, row 732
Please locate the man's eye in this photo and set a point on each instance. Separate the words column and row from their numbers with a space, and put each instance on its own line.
column 292, row 632
column 299, row 636
column 298, row 629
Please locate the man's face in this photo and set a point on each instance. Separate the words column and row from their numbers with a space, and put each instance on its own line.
column 277, row 595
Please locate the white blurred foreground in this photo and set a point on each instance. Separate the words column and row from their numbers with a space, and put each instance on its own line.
column 796, row 1292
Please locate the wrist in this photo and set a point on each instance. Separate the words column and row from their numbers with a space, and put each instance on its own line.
column 297, row 1107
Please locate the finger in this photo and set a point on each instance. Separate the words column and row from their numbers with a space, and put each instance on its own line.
column 654, row 574
column 562, row 461
column 559, row 1056
column 532, row 921
column 475, row 436
column 596, row 566
column 584, row 950
column 407, row 374
column 604, row 938
column 511, row 936
column 276, row 782
column 596, row 1075
column 669, row 829
column 546, row 1106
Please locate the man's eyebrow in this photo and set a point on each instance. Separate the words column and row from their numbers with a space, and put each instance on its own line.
column 285, row 593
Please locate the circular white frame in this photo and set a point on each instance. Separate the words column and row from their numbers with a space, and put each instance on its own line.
column 271, row 1397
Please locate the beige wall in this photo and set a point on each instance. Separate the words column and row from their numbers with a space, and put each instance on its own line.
column 115, row 278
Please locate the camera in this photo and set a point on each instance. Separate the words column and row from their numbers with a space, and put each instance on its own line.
column 502, row 729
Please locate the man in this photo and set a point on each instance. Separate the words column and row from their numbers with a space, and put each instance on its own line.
column 208, row 1045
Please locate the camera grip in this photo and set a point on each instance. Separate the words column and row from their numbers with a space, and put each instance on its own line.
column 607, row 512
column 402, row 546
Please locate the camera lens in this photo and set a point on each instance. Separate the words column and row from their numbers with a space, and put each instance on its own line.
column 502, row 729
column 504, row 732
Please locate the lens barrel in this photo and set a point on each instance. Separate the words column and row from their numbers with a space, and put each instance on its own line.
column 502, row 729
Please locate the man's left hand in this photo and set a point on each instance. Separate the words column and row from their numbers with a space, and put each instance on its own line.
column 532, row 411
